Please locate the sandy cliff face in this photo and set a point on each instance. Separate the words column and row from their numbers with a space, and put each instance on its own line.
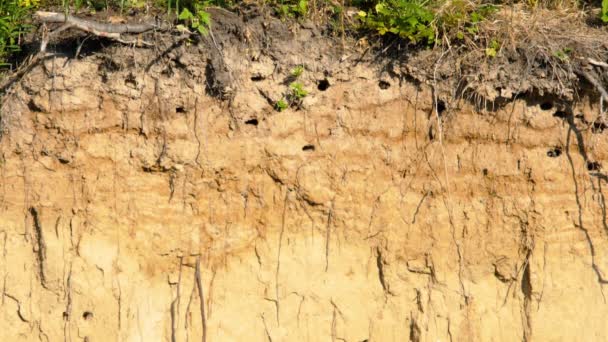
column 142, row 199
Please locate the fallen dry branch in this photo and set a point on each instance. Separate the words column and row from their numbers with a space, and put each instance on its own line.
column 109, row 30
column 92, row 26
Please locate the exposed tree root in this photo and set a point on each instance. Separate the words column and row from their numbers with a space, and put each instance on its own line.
column 590, row 76
column 199, row 285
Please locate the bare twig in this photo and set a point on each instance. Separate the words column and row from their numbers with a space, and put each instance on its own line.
column 45, row 39
column 597, row 63
column 80, row 47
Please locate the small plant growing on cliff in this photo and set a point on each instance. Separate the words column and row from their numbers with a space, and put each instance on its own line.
column 297, row 90
column 281, row 105
column 493, row 48
column 563, row 54
column 293, row 9
column 297, row 71
column 201, row 21
column 293, row 98
column 471, row 20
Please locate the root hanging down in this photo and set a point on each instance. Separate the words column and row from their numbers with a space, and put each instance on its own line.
column 592, row 78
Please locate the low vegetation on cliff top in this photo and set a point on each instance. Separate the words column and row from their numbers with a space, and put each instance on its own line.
column 557, row 40
column 420, row 22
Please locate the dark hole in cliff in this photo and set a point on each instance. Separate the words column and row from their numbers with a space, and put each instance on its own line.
column 180, row 109
column 384, row 85
column 210, row 85
column 526, row 284
column 560, row 114
column 87, row 315
column 257, row 78
column 323, row 85
column 593, row 166
column 431, row 134
column 253, row 122
column 308, row 147
column 109, row 65
column 546, row 105
column 66, row 316
column 485, row 172
column 130, row 79
column 598, row 127
column 168, row 71
column 581, row 117
column 440, row 107
column 33, row 107
column 414, row 331
column 554, row 153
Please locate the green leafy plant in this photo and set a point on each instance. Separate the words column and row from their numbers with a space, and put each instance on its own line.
column 297, row 90
column 293, row 98
column 281, row 105
column 200, row 21
column 425, row 20
column 563, row 54
column 410, row 19
column 297, row 71
column 478, row 15
column 493, row 48
column 293, row 8
column 604, row 11
column 14, row 18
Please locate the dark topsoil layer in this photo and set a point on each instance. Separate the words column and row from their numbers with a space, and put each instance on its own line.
column 545, row 54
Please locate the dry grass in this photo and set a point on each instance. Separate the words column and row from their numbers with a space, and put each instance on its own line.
column 541, row 51
column 560, row 42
